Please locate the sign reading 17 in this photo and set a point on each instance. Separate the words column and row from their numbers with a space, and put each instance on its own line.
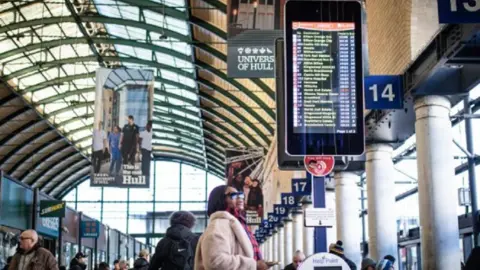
column 302, row 186
column 471, row 5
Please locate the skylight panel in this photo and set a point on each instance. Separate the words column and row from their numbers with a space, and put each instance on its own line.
column 128, row 50
column 33, row 79
column 81, row 134
column 44, row 93
column 6, row 18
column 117, row 30
column 35, row 11
column 129, row 12
column 57, row 105
column 50, row 32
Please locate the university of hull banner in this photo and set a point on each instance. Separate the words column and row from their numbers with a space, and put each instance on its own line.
column 240, row 164
column 253, row 26
column 122, row 134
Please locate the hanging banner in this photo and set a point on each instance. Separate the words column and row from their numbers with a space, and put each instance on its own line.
column 123, row 128
column 253, row 26
column 240, row 164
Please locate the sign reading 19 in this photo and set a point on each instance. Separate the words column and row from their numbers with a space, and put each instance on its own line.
column 471, row 5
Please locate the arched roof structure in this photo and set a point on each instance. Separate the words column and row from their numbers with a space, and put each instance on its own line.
column 50, row 49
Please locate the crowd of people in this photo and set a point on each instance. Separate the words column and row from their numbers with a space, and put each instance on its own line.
column 227, row 243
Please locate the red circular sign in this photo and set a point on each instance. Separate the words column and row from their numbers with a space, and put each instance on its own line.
column 319, row 165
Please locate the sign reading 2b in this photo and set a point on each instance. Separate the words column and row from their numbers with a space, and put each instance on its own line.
column 459, row 11
column 383, row 92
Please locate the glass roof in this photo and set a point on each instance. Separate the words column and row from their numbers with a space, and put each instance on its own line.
column 50, row 50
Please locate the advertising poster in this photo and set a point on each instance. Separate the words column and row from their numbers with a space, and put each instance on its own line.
column 253, row 26
column 240, row 164
column 122, row 134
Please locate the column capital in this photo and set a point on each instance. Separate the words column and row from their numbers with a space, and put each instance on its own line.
column 280, row 225
column 378, row 151
column 307, row 200
column 287, row 219
column 297, row 211
column 432, row 106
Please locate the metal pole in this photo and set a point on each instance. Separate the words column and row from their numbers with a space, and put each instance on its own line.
column 76, row 198
column 101, row 207
column 364, row 228
column 60, row 239
column 471, row 170
column 206, row 198
column 154, row 194
column 180, row 187
column 79, row 231
column 128, row 208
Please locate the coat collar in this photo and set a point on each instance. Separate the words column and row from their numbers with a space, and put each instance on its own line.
column 237, row 228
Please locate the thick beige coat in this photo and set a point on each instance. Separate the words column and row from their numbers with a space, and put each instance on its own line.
column 224, row 245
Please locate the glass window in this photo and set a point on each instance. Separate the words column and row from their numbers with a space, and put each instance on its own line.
column 90, row 209
column 87, row 193
column 115, row 215
column 193, row 184
column 168, row 185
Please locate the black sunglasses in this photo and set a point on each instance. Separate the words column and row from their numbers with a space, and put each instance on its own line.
column 236, row 195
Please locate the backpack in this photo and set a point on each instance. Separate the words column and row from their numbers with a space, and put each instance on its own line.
column 180, row 253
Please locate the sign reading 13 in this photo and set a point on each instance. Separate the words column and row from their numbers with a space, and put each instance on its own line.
column 471, row 6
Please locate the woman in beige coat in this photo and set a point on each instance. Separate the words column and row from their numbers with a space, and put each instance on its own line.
column 225, row 244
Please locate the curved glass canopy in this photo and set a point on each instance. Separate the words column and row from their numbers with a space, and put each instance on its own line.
column 50, row 49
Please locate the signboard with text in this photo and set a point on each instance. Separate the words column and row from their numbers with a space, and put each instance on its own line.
column 459, row 11
column 280, row 210
column 253, row 27
column 319, row 217
column 288, row 199
column 302, row 187
column 383, row 92
column 324, row 261
column 89, row 229
column 52, row 208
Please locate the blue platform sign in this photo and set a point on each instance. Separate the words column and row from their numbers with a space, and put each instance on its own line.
column 302, row 187
column 383, row 92
column 280, row 210
column 459, row 11
column 273, row 219
column 288, row 199
column 89, row 229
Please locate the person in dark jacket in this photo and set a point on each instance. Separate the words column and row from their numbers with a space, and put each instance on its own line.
column 180, row 231
column 142, row 262
column 298, row 259
column 78, row 262
column 337, row 249
column 473, row 261
column 31, row 255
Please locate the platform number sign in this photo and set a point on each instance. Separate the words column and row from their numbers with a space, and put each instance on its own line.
column 288, row 199
column 384, row 92
column 459, row 11
column 302, row 186
column 280, row 210
column 273, row 219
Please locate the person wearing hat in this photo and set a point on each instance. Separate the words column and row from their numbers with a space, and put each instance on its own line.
column 78, row 262
column 337, row 249
column 368, row 264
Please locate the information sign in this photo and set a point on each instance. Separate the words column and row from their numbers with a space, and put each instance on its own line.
column 302, row 187
column 319, row 217
column 89, row 229
column 273, row 219
column 319, row 165
column 288, row 199
column 383, row 92
column 280, row 210
column 459, row 11
column 324, row 261
column 50, row 208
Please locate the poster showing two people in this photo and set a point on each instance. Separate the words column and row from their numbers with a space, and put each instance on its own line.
column 240, row 165
column 123, row 128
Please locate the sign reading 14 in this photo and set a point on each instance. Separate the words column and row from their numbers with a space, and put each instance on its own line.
column 471, row 6
column 387, row 92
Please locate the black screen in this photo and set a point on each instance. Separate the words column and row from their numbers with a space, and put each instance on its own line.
column 324, row 86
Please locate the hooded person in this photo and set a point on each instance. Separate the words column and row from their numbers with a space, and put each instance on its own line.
column 226, row 244
column 30, row 255
column 79, row 262
column 177, row 249
column 384, row 265
column 337, row 249
column 368, row 264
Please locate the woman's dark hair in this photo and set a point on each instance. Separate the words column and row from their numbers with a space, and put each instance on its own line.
column 216, row 200
column 184, row 218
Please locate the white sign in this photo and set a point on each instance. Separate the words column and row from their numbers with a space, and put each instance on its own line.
column 324, row 261
column 319, row 217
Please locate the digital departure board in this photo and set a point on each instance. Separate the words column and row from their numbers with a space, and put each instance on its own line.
column 324, row 85
column 323, row 97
